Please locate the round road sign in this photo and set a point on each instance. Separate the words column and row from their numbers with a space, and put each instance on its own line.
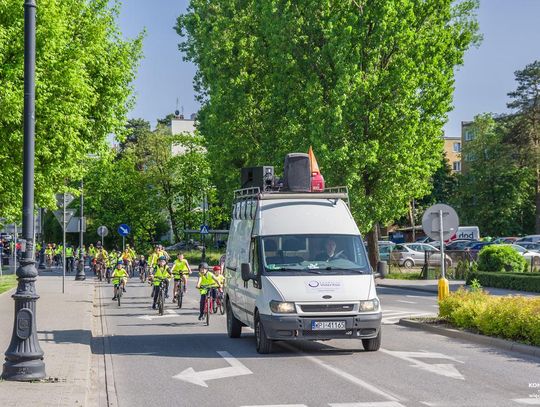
column 431, row 221
column 102, row 231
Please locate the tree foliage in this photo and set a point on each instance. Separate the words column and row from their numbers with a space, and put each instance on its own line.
column 495, row 193
column 367, row 83
column 84, row 71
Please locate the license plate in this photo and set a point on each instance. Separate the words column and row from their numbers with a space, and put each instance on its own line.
column 327, row 325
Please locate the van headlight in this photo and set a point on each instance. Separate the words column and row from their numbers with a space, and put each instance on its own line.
column 280, row 307
column 369, row 305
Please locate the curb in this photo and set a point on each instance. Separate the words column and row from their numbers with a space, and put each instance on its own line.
column 472, row 337
column 423, row 290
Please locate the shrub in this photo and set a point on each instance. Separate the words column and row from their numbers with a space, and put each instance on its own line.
column 511, row 281
column 501, row 258
column 512, row 317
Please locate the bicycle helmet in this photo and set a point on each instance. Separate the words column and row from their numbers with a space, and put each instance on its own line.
column 203, row 265
column 162, row 258
column 119, row 262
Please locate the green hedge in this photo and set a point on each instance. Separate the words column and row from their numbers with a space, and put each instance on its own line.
column 511, row 281
column 512, row 317
column 501, row 258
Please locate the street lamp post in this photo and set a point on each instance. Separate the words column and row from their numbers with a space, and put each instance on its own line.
column 24, row 357
column 41, row 265
column 80, row 268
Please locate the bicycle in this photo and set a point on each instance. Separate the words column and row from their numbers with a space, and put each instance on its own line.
column 119, row 292
column 179, row 296
column 209, row 303
column 220, row 302
column 161, row 297
column 142, row 273
column 99, row 270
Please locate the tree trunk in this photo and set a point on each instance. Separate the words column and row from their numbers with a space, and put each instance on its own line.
column 373, row 246
column 537, row 200
column 411, row 219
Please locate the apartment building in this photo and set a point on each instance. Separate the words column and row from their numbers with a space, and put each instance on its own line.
column 452, row 150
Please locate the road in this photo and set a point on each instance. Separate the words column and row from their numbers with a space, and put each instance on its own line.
column 175, row 360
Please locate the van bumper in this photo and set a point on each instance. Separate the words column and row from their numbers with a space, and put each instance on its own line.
column 361, row 326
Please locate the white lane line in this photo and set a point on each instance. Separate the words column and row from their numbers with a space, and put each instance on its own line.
column 407, row 302
column 369, row 404
column 532, row 401
column 343, row 374
column 419, row 296
column 278, row 405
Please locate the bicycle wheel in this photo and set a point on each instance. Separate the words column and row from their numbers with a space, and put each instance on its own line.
column 160, row 302
column 119, row 294
column 220, row 305
column 180, row 295
column 208, row 307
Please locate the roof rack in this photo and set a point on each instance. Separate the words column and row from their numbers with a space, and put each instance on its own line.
column 248, row 198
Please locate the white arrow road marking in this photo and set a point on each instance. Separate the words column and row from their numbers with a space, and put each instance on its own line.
column 532, row 401
column 369, row 404
column 169, row 313
column 443, row 369
column 236, row 368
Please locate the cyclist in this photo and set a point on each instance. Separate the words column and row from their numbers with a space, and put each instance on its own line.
column 162, row 273
column 119, row 278
column 69, row 258
column 180, row 271
column 128, row 256
column 153, row 258
column 143, row 264
column 102, row 259
column 49, row 254
column 208, row 280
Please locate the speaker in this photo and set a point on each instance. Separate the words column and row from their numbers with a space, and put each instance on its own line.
column 261, row 177
column 297, row 173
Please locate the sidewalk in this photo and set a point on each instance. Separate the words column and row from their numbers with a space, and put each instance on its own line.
column 431, row 286
column 64, row 326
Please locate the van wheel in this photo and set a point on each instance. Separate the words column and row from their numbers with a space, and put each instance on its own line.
column 264, row 345
column 234, row 326
column 408, row 264
column 372, row 345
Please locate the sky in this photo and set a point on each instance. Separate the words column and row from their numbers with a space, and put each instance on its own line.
column 510, row 28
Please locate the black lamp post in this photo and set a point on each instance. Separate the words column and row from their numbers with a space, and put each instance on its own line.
column 41, row 265
column 24, row 357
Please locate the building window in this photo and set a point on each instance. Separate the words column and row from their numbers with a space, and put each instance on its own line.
column 456, row 166
column 469, row 157
column 469, row 135
column 457, row 147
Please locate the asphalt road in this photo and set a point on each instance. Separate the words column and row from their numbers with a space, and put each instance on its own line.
column 175, row 360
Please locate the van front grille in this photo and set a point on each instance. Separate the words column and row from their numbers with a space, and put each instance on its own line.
column 327, row 307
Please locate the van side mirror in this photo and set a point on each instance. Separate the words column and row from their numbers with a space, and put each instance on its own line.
column 245, row 270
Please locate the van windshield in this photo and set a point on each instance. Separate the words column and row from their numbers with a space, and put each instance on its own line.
column 317, row 254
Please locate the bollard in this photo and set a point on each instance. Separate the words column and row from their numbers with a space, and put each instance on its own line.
column 444, row 288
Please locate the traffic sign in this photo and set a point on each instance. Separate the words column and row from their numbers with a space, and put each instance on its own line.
column 59, row 215
column 431, row 221
column 123, row 229
column 204, row 230
column 60, row 199
column 102, row 231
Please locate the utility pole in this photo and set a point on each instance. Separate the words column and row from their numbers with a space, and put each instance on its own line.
column 80, row 269
column 24, row 356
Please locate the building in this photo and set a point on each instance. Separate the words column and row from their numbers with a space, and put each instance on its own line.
column 181, row 125
column 452, row 150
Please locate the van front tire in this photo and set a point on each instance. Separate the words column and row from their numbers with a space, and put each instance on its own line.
column 264, row 345
column 234, row 326
column 372, row 345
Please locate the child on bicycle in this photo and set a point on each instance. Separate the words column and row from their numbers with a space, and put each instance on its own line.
column 162, row 274
column 180, row 271
column 119, row 278
column 207, row 282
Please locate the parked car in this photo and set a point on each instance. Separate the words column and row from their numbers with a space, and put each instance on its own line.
column 385, row 250
column 507, row 240
column 475, row 247
column 460, row 244
column 531, row 256
column 407, row 257
column 528, row 238
column 533, row 247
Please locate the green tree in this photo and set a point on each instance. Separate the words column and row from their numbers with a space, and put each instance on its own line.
column 495, row 192
column 84, row 71
column 524, row 132
column 367, row 83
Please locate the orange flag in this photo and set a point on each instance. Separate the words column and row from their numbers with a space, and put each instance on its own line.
column 313, row 161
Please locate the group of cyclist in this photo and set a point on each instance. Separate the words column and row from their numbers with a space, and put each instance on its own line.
column 160, row 273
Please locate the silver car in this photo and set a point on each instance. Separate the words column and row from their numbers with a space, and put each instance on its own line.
column 409, row 255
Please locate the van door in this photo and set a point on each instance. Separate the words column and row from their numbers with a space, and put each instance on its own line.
column 252, row 289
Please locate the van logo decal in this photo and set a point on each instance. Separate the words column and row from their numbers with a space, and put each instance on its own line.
column 313, row 284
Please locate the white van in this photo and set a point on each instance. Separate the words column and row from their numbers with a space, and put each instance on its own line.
column 297, row 269
column 467, row 232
